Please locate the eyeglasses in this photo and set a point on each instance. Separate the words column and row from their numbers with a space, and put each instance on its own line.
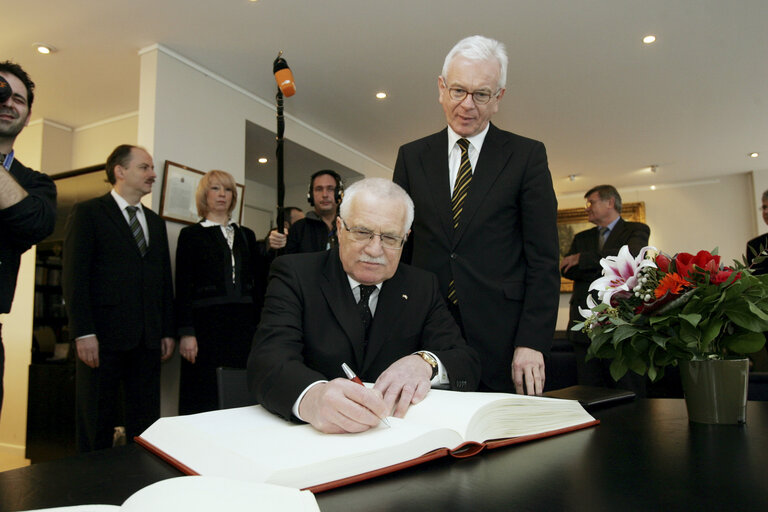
column 364, row 236
column 479, row 97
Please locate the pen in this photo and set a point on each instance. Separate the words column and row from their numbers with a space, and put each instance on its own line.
column 354, row 378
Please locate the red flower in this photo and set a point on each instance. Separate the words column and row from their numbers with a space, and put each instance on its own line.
column 662, row 262
column 707, row 262
column 672, row 283
column 723, row 275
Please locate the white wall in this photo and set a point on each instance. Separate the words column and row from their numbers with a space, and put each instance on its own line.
column 689, row 218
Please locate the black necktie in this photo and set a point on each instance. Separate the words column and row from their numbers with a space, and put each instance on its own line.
column 136, row 231
column 363, row 308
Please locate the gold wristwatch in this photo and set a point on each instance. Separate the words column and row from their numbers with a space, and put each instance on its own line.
column 431, row 361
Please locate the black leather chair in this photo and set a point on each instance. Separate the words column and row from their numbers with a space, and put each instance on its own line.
column 758, row 386
column 233, row 388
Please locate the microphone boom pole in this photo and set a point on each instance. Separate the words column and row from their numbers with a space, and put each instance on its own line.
column 279, row 155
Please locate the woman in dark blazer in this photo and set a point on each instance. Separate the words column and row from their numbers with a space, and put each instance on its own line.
column 219, row 293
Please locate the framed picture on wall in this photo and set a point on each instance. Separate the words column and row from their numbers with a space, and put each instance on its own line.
column 177, row 201
column 573, row 220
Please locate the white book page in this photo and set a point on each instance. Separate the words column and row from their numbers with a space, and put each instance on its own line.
column 482, row 416
column 206, row 494
column 251, row 443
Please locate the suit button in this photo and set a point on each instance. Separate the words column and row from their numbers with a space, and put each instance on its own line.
column 453, row 255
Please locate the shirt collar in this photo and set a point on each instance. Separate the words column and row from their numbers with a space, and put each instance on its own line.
column 122, row 203
column 7, row 161
column 476, row 141
column 353, row 283
column 209, row 223
column 612, row 224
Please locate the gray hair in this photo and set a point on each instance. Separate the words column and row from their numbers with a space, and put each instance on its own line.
column 483, row 49
column 606, row 192
column 378, row 188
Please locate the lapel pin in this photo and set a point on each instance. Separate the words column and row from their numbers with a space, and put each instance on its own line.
column 405, row 297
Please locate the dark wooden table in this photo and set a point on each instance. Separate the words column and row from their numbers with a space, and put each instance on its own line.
column 645, row 455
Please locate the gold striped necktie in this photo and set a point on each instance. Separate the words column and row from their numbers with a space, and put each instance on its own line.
column 460, row 189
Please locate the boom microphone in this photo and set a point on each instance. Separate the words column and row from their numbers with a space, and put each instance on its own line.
column 283, row 76
column 6, row 91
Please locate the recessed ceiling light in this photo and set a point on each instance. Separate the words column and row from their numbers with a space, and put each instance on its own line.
column 381, row 95
column 754, row 154
column 263, row 160
column 572, row 177
column 43, row 48
column 653, row 187
column 649, row 39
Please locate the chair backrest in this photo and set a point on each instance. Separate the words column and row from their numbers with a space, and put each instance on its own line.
column 233, row 388
column 758, row 386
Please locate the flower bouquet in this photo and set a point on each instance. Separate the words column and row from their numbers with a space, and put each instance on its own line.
column 655, row 311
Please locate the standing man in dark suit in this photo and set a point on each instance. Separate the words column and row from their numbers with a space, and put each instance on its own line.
column 316, row 231
column 27, row 197
column 486, row 221
column 119, row 297
column 755, row 247
column 356, row 304
column 582, row 264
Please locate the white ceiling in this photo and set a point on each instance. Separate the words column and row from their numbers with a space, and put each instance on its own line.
column 606, row 106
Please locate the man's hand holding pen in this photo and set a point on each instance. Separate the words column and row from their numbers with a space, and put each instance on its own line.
column 342, row 405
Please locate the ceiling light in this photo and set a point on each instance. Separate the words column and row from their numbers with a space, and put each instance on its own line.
column 649, row 39
column 653, row 187
column 263, row 160
column 381, row 95
column 43, row 48
column 754, row 154
column 572, row 177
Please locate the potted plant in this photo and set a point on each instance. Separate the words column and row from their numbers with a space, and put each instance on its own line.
column 655, row 311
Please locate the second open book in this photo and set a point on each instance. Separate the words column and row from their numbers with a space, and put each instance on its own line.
column 251, row 443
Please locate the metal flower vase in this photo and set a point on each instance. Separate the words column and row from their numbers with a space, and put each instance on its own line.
column 716, row 390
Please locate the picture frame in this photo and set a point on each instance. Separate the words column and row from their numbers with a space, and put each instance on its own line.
column 177, row 200
column 574, row 220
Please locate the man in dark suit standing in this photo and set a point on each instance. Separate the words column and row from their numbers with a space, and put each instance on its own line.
column 118, row 292
column 27, row 197
column 486, row 221
column 582, row 264
column 356, row 304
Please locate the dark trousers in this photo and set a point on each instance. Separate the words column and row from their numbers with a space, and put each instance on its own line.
column 99, row 409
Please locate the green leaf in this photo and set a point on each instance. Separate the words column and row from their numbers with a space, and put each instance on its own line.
column 744, row 343
column 692, row 319
column 746, row 320
column 624, row 331
column 618, row 369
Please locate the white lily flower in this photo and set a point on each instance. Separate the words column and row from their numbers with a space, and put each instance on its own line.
column 586, row 313
column 620, row 272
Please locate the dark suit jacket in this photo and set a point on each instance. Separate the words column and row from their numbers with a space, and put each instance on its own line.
column 634, row 234
column 310, row 325
column 23, row 225
column 204, row 272
column 109, row 289
column 753, row 248
column 503, row 257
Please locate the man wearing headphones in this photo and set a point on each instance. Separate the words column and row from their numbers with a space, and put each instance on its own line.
column 316, row 231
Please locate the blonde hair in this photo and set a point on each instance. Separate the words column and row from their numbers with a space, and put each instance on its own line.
column 206, row 182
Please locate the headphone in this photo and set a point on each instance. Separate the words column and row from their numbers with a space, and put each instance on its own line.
column 338, row 194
